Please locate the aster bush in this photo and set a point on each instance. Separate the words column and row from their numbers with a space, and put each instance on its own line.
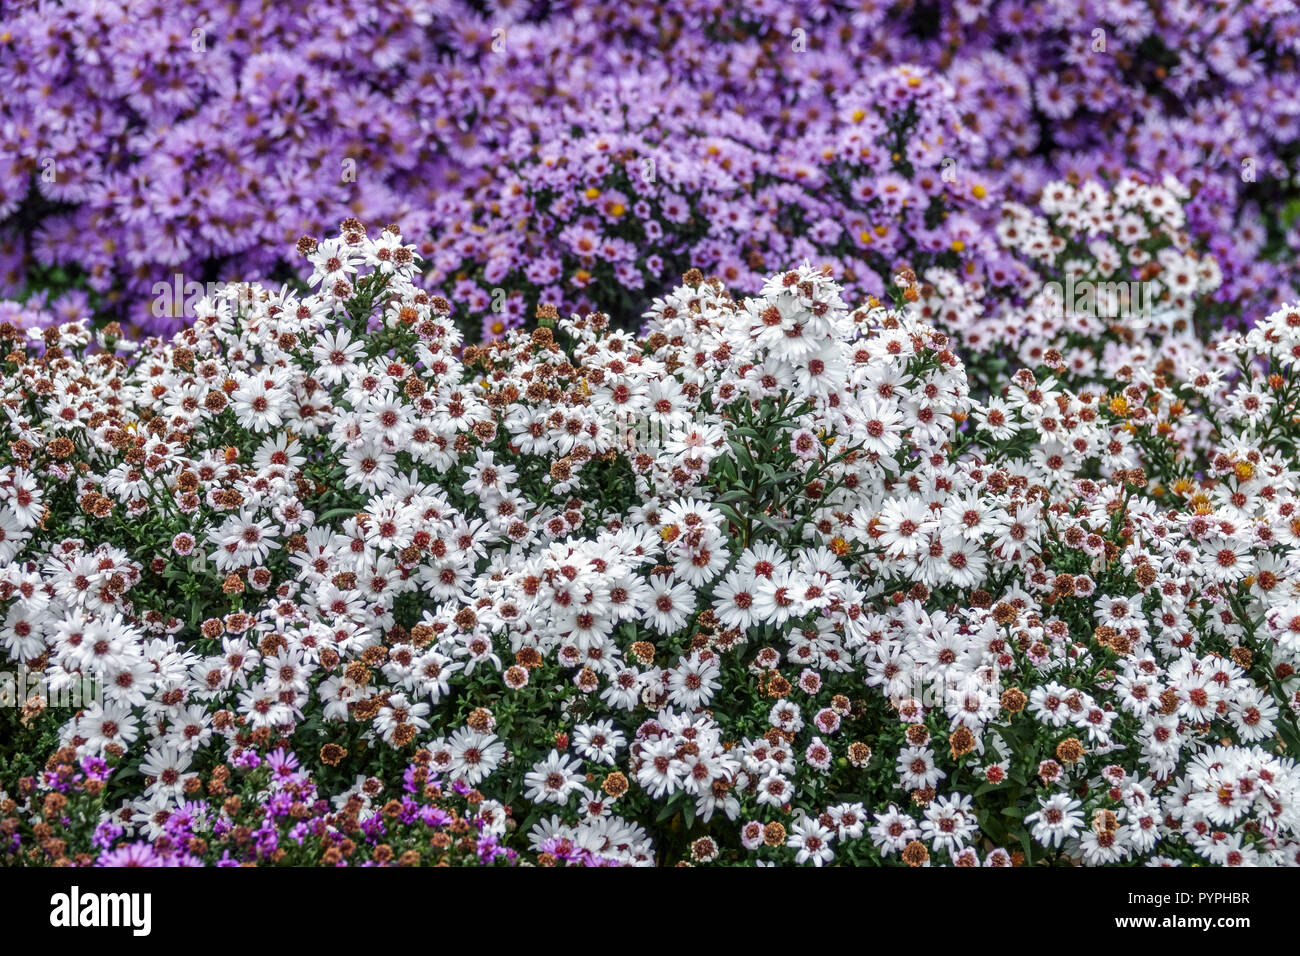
column 268, row 810
column 767, row 582
column 141, row 140
column 1111, row 280
column 602, row 208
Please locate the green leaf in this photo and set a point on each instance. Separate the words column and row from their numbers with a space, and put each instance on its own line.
column 730, row 514
column 1290, row 212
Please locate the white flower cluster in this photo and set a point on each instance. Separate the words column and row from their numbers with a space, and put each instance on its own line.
column 766, row 554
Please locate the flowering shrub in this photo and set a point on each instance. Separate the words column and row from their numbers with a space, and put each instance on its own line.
column 766, row 583
column 647, row 187
column 1111, row 281
column 1202, row 92
column 268, row 810
column 140, row 140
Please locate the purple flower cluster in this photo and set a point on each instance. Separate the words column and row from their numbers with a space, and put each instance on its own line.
column 619, row 195
column 139, row 140
column 583, row 153
column 291, row 818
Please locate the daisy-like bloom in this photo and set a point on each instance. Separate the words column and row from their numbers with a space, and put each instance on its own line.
column 384, row 420
column 997, row 419
column 260, row 403
column 1251, row 405
column 818, row 755
column 693, row 684
column 13, row 534
column 242, row 539
column 336, row 355
column 963, row 561
column 369, row 467
column 190, row 729
column 431, row 674
column 332, row 260
column 1057, row 818
column 599, row 741
column 1200, row 698
column 902, row 526
column 1104, row 847
column 780, row 597
column 751, row 835
column 811, row 841
column 624, row 689
column 129, row 681
column 969, row 515
column 665, row 407
column 399, row 721
column 893, row 830
column 805, row 444
column 882, row 426
column 659, row 771
column 131, row 854
column 695, row 447
column 22, row 493
column 264, row 708
column 488, row 479
column 388, row 254
column 553, row 780
column 785, row 716
column 671, row 604
column 167, row 766
column 849, row 820
column 1254, row 715
column 1226, row 561
column 948, row 824
column 917, row 769
column 107, row 723
column 733, row 600
column 774, row 790
column 474, row 755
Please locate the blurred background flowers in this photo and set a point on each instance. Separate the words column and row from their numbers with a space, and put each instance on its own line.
column 586, row 154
